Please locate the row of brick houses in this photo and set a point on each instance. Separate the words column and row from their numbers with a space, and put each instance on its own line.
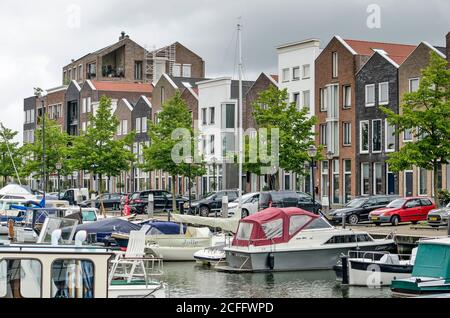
column 342, row 84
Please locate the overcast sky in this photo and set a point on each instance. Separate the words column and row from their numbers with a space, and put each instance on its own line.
column 39, row 37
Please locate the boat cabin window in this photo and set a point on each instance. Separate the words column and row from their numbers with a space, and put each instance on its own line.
column 20, row 278
column 72, row 279
column 318, row 223
column 297, row 222
column 89, row 216
column 364, row 238
column 273, row 229
column 342, row 239
column 244, row 231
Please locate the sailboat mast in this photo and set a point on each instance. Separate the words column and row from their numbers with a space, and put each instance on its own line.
column 240, row 129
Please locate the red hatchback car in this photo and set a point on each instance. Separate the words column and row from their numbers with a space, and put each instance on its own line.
column 403, row 210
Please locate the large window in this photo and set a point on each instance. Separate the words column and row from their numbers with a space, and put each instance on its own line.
column 306, row 99
column 378, row 178
column 365, row 179
column 347, row 180
column 138, row 70
column 273, row 229
column 408, row 135
column 212, row 115
column 370, row 95
column 347, row 130
column 204, row 116
column 335, row 67
column 138, row 125
column 364, row 136
column 325, row 180
column 306, row 71
column 229, row 116
column 347, row 95
column 383, row 93
column 413, row 85
column 176, row 70
column 285, row 75
column 296, row 100
column 390, row 137
column 336, row 181
column 323, row 99
column 212, row 144
column 423, row 181
column 376, row 135
column 20, row 278
column 72, row 279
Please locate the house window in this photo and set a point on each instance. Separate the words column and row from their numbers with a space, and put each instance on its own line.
column 365, row 179
column 364, row 136
column 347, row 95
column 285, row 75
column 306, row 99
column 335, row 64
column 144, row 125
column 377, row 178
column 124, row 127
column 413, row 85
column 163, row 95
column 296, row 100
column 370, row 95
column 347, row 128
column 228, row 115
column 83, row 126
column 323, row 134
column 376, row 135
column 296, row 73
column 91, row 70
column 383, row 93
column 80, row 72
column 204, row 117
column 212, row 144
column 138, row 125
column 390, row 137
column 70, row 74
column 88, row 104
column 336, row 181
column 407, row 135
column 423, row 180
column 287, row 182
column 186, row 70
column 83, row 105
column 176, row 71
column 306, row 71
column 204, row 145
column 323, row 99
column 212, row 115
column 347, row 180
column 138, row 70
column 325, row 180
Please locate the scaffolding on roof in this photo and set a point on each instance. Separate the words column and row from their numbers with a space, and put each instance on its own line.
column 167, row 53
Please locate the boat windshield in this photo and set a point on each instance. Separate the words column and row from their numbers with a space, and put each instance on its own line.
column 356, row 203
column 396, row 203
column 245, row 231
column 89, row 216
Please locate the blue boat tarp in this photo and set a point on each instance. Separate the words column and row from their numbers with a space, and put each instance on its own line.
column 168, row 228
column 109, row 226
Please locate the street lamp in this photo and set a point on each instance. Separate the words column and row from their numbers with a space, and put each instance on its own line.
column 312, row 153
column 41, row 94
column 330, row 156
column 58, row 168
column 214, row 163
column 189, row 160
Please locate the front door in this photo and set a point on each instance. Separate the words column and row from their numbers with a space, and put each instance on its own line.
column 391, row 183
column 408, row 184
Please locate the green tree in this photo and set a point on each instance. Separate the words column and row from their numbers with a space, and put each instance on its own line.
column 426, row 113
column 272, row 110
column 10, row 154
column 97, row 151
column 56, row 144
column 175, row 116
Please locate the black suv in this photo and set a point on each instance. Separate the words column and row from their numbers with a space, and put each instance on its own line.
column 162, row 201
column 358, row 209
column 211, row 203
column 286, row 199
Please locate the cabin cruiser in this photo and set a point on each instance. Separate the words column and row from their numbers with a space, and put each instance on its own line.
column 290, row 239
column 373, row 269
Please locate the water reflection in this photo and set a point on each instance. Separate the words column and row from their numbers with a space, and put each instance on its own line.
column 190, row 281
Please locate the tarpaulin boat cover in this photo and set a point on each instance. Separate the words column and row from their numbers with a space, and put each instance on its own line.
column 272, row 226
column 109, row 226
column 169, row 228
column 229, row 224
column 16, row 189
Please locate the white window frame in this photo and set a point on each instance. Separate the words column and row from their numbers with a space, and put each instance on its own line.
column 187, row 66
column 349, row 125
column 373, row 134
column 362, row 177
column 83, row 105
column 412, row 136
column 284, row 75
column 89, row 105
column 125, row 127
column 346, row 172
column 298, row 99
column 386, row 134
column 380, row 102
column 204, row 116
column 361, row 151
column 144, row 125
column 138, row 125
column 304, row 68
column 179, row 69
column 335, row 64
column 322, row 135
column 418, row 182
column 366, row 101
column 304, row 105
column 404, row 180
column 212, row 119
column 374, row 181
column 344, row 97
column 413, row 79
column 212, row 144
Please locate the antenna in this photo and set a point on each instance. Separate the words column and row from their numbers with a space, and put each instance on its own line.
column 9, row 152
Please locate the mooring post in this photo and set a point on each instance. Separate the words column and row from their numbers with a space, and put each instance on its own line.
column 448, row 228
column 343, row 221
column 150, row 206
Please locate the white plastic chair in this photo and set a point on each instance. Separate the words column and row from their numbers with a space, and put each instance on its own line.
column 134, row 257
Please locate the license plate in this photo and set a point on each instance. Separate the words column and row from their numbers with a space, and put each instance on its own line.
column 433, row 218
column 375, row 218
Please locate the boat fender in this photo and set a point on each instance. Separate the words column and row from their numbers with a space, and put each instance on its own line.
column 344, row 261
column 271, row 261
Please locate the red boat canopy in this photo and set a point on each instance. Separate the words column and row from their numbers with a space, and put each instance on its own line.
column 272, row 226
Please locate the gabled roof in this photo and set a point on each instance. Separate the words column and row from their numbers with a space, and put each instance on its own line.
column 146, row 101
column 185, row 82
column 123, row 87
column 246, row 85
column 127, row 103
column 439, row 50
column 396, row 52
column 275, row 78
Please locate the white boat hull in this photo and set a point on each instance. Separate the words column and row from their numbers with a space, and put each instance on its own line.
column 137, row 291
column 175, row 254
column 373, row 279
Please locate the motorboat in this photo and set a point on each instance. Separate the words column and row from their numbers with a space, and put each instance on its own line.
column 211, row 256
column 431, row 272
column 291, row 239
column 373, row 269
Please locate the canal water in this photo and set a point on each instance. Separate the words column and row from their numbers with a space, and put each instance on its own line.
column 188, row 280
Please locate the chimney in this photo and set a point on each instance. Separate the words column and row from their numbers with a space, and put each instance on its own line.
column 122, row 36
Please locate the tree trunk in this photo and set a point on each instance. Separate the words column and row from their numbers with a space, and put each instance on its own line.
column 174, row 199
column 435, row 183
column 99, row 186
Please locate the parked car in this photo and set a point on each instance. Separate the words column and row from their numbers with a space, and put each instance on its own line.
column 439, row 217
column 162, row 201
column 285, row 199
column 111, row 201
column 358, row 209
column 250, row 205
column 211, row 203
column 75, row 196
column 403, row 210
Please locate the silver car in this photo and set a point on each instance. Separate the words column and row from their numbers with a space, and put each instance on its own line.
column 439, row 217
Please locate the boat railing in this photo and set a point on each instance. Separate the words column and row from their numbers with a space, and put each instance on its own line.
column 372, row 256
